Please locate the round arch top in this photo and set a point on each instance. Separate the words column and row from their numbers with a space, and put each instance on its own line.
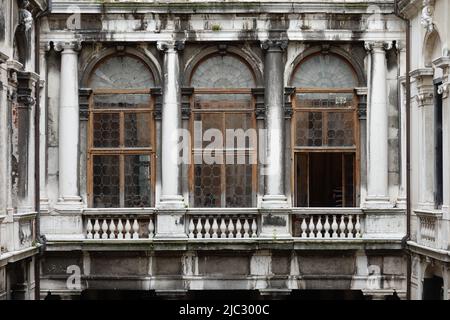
column 222, row 71
column 121, row 72
column 324, row 71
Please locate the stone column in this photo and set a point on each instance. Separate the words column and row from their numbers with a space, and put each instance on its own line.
column 274, row 215
column 426, row 143
column 43, row 49
column 274, row 195
column 171, row 207
column 171, row 123
column 69, row 125
column 377, row 155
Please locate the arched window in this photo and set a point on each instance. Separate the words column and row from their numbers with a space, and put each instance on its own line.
column 325, row 138
column 224, row 168
column 121, row 134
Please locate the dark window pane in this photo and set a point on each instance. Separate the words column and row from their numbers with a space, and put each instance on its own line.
column 302, row 180
column 340, row 129
column 238, row 185
column 207, row 186
column 349, row 160
column 106, row 181
column 106, row 130
column 137, row 130
column 137, row 181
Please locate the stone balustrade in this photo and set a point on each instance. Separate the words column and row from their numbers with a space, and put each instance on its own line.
column 337, row 224
column 228, row 224
column 119, row 226
column 427, row 230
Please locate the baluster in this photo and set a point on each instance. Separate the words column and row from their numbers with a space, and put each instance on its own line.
column 135, row 229
column 246, row 228
column 89, row 229
column 319, row 227
column 191, row 228
column 327, row 227
column 334, row 226
column 350, row 227
column 207, row 228
column 127, row 229
column 358, row 227
column 120, row 229
column 112, row 229
column 151, row 229
column 230, row 228
column 254, row 231
column 304, row 227
column 96, row 229
column 198, row 227
column 311, row 227
column 223, row 228
column 238, row 228
column 215, row 227
column 342, row 227
column 104, row 229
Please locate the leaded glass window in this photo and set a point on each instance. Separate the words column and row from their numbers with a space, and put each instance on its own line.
column 223, row 101
column 121, row 134
column 325, row 132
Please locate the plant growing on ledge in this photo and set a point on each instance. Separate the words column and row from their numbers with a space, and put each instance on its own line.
column 216, row 27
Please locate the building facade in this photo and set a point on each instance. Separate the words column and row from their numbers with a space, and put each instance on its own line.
column 430, row 181
column 189, row 148
column 18, row 85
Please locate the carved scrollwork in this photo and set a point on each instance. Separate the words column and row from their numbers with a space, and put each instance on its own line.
column 427, row 15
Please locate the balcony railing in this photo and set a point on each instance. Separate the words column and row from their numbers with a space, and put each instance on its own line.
column 327, row 223
column 427, row 233
column 223, row 224
column 119, row 225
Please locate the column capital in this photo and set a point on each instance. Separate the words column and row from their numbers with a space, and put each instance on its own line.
column 170, row 46
column 274, row 45
column 378, row 46
column 68, row 46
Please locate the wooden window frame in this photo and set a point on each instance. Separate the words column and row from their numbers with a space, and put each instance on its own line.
column 223, row 112
column 325, row 149
column 120, row 151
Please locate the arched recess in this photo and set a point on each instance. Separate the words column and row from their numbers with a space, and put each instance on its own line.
column 325, row 132
column 354, row 63
column 144, row 57
column 223, row 101
column 432, row 47
column 252, row 62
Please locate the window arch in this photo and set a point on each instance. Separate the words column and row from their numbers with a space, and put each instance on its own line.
column 121, row 134
column 325, row 132
column 223, row 102
column 324, row 71
column 227, row 71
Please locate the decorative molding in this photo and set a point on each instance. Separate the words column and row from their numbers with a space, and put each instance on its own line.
column 424, row 84
column 186, row 94
column 84, row 94
column 274, row 45
column 426, row 19
column 362, row 102
column 260, row 107
column 170, row 45
column 68, row 45
column 157, row 93
column 288, row 110
column 378, row 46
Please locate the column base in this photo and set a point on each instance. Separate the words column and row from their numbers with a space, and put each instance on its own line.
column 171, row 223
column 377, row 202
column 275, row 224
column 172, row 202
column 274, row 202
